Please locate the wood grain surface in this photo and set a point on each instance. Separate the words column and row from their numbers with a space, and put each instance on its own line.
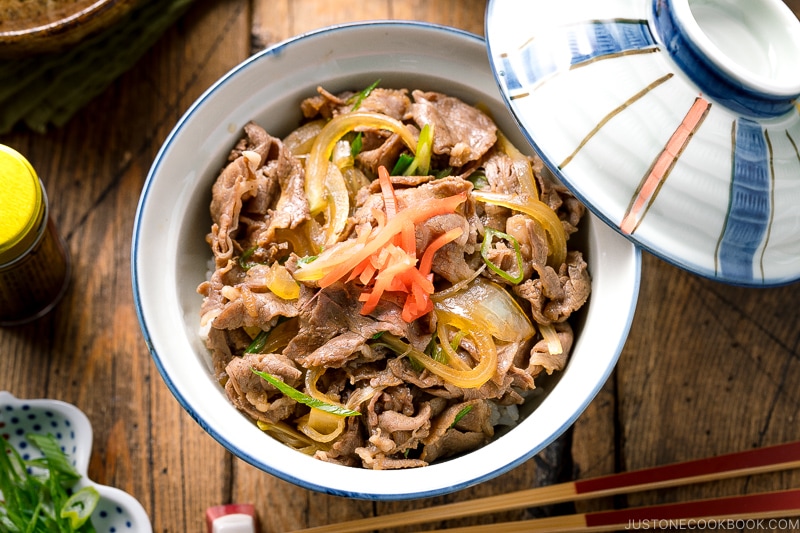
column 707, row 369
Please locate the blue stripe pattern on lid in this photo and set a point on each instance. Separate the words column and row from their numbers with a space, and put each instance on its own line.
column 544, row 56
column 749, row 213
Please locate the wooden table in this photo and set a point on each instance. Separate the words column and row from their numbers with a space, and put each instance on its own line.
column 708, row 368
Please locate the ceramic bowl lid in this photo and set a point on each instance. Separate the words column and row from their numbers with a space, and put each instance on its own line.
column 676, row 121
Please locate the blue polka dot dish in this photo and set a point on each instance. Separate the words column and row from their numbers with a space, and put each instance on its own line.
column 675, row 121
column 117, row 511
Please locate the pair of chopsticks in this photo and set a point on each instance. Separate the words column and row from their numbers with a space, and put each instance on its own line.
column 778, row 504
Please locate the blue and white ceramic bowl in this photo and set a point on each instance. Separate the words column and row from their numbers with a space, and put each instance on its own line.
column 117, row 511
column 676, row 121
column 170, row 255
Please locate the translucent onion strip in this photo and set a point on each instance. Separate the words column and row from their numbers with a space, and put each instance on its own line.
column 521, row 166
column 551, row 338
column 337, row 204
column 319, row 425
column 486, row 306
column 469, row 379
column 540, row 212
column 289, row 436
column 319, row 157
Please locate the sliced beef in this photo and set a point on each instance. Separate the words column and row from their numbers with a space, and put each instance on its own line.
column 461, row 131
column 409, row 416
column 392, row 102
column 499, row 170
column 554, row 297
column 384, row 154
column 462, row 427
column 334, row 315
column 254, row 395
column 236, row 184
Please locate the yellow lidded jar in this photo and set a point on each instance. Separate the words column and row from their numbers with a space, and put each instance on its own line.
column 34, row 264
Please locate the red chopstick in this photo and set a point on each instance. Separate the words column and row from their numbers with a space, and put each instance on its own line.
column 763, row 511
column 756, row 461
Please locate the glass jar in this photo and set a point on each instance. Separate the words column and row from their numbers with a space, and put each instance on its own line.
column 34, row 262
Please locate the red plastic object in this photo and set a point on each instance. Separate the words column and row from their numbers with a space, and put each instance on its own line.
column 232, row 518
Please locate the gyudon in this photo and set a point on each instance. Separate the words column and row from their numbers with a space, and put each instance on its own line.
column 388, row 279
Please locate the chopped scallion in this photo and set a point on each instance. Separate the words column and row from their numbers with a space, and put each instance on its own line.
column 243, row 263
column 478, row 180
column 421, row 163
column 461, row 414
column 403, row 162
column 305, row 399
column 357, row 144
column 443, row 173
column 258, row 343
column 356, row 99
column 307, row 259
column 486, row 248
column 79, row 507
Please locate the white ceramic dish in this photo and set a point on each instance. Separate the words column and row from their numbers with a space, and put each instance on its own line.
column 674, row 120
column 170, row 255
column 117, row 511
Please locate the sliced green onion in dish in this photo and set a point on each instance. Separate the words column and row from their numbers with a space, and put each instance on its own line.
column 79, row 507
column 478, row 180
column 305, row 399
column 538, row 211
column 486, row 248
column 34, row 493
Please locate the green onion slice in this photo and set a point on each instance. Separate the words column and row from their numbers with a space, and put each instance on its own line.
column 356, row 99
column 80, row 506
column 258, row 343
column 461, row 414
column 357, row 144
column 421, row 163
column 486, row 247
column 245, row 256
column 403, row 162
column 305, row 399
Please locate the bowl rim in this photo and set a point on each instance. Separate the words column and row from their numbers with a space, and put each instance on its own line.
column 231, row 444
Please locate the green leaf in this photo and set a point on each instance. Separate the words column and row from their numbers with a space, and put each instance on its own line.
column 356, row 99
column 461, row 414
column 486, row 247
column 258, row 342
column 243, row 263
column 305, row 399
